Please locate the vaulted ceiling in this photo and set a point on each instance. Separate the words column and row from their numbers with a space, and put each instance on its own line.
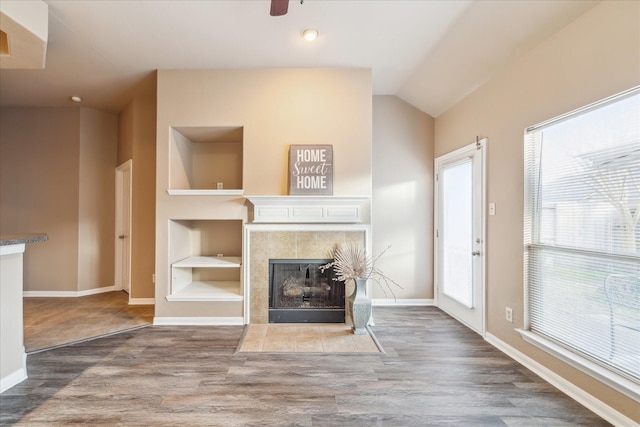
column 429, row 53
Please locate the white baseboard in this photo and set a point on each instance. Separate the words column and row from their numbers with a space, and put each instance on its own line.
column 15, row 377
column 381, row 302
column 68, row 294
column 12, row 379
column 198, row 321
column 142, row 301
column 98, row 291
column 576, row 393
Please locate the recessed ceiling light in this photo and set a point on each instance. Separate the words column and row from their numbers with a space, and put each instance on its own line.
column 76, row 99
column 310, row 34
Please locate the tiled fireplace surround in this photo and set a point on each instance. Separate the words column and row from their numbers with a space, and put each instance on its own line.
column 291, row 237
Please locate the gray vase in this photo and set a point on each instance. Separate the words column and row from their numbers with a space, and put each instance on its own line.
column 360, row 307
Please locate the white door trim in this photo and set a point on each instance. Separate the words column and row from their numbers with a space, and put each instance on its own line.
column 125, row 168
column 477, row 148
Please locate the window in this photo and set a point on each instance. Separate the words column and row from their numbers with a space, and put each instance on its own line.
column 582, row 235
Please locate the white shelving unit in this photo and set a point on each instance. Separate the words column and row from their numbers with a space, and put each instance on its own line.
column 185, row 288
column 205, row 195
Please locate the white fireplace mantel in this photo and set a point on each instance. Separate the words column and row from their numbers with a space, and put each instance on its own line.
column 308, row 209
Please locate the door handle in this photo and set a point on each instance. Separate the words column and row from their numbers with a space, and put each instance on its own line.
column 122, row 236
column 475, row 253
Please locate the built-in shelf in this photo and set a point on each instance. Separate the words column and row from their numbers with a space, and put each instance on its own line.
column 185, row 288
column 201, row 271
column 206, row 160
column 209, row 262
column 203, row 192
column 208, row 291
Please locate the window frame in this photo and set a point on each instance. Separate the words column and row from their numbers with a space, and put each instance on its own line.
column 531, row 240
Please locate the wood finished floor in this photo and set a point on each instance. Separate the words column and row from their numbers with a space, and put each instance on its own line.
column 435, row 372
column 50, row 322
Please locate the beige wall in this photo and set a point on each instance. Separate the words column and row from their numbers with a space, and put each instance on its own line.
column 53, row 173
column 137, row 141
column 403, row 196
column 96, row 222
column 596, row 56
column 276, row 107
column 40, row 151
column 125, row 134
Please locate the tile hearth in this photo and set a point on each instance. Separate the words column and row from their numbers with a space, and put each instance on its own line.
column 305, row 338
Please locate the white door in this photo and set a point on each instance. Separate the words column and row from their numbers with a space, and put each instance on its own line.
column 460, row 234
column 123, row 227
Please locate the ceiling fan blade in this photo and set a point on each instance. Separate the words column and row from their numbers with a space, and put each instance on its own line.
column 279, row 7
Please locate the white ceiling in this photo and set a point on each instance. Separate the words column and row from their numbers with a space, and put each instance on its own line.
column 429, row 53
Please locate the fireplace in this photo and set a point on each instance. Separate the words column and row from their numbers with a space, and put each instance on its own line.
column 301, row 292
column 298, row 228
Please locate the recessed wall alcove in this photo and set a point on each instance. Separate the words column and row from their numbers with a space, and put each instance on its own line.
column 206, row 160
column 206, row 260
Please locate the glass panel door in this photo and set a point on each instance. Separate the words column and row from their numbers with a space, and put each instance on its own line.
column 460, row 234
column 457, row 232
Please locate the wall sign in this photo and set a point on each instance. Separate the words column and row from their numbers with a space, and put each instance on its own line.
column 311, row 170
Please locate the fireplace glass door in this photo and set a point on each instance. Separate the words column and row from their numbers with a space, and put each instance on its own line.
column 301, row 292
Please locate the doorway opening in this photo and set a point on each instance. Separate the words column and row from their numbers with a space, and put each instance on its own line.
column 123, row 227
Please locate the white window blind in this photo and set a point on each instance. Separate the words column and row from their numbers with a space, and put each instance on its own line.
column 582, row 232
